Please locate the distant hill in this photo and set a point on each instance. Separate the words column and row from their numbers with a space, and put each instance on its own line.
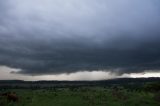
column 119, row 81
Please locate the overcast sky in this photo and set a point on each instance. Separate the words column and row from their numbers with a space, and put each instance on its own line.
column 79, row 37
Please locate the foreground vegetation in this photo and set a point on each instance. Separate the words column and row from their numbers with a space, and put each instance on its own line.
column 82, row 96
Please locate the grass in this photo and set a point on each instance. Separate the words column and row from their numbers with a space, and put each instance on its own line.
column 81, row 97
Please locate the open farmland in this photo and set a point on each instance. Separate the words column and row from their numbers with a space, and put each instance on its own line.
column 146, row 94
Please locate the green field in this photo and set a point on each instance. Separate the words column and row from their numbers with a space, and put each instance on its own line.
column 84, row 96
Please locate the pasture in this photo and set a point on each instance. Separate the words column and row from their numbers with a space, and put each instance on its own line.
column 80, row 96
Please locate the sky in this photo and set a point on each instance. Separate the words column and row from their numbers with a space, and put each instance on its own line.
column 79, row 39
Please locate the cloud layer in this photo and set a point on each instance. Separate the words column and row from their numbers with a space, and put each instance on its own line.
column 53, row 37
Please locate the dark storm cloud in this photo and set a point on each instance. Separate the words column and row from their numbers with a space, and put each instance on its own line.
column 45, row 37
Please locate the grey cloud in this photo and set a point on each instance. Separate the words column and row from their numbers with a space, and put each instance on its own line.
column 52, row 37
